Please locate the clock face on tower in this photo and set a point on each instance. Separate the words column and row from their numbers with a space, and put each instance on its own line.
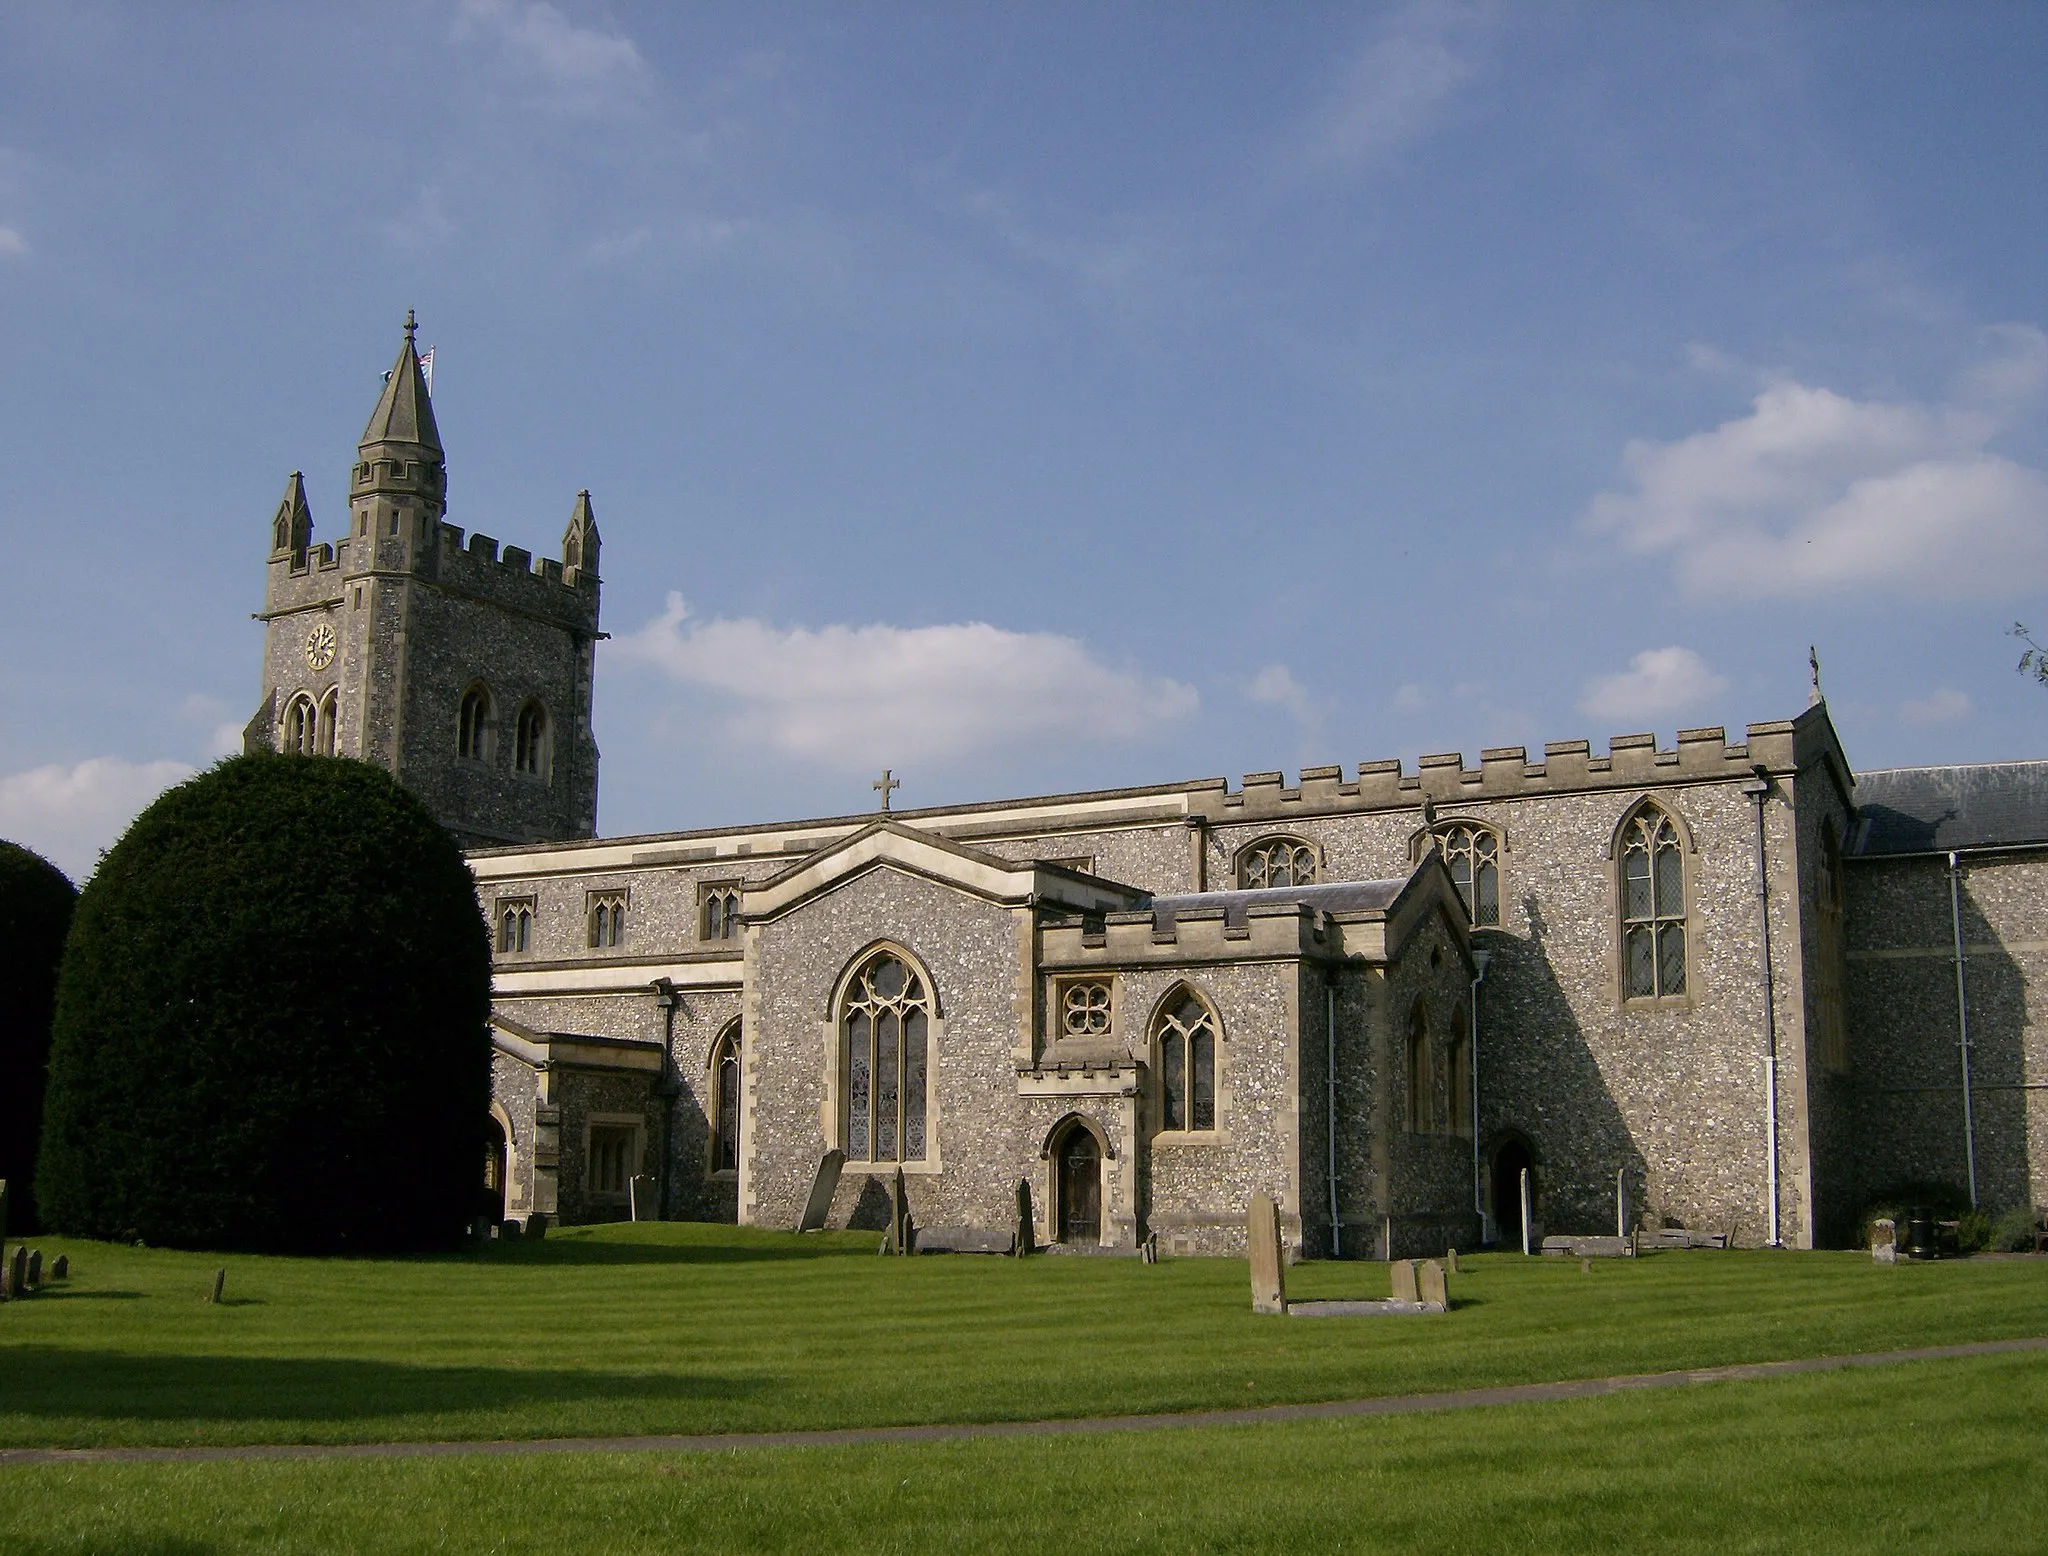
column 320, row 647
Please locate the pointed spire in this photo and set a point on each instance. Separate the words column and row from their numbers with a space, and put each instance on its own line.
column 579, row 540
column 405, row 411
column 291, row 529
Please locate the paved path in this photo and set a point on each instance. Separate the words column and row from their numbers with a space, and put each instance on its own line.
column 726, row 1442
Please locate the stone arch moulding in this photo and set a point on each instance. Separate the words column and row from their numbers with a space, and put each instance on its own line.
column 1071, row 1121
column 511, row 1168
column 720, row 1033
column 1647, row 802
column 833, row 1112
column 1173, row 992
column 1420, row 839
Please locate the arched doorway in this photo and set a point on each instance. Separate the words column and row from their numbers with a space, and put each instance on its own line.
column 1080, row 1162
column 1509, row 1162
column 491, row 1201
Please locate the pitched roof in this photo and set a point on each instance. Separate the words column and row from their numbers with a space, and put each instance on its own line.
column 405, row 411
column 1336, row 897
column 1918, row 810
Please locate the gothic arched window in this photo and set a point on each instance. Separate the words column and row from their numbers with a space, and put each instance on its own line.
column 473, row 728
column 1652, row 906
column 1458, row 1094
column 725, row 1102
column 1419, row 1077
column 1184, row 1059
column 1277, row 861
column 301, row 727
column 530, row 748
column 720, row 911
column 884, row 1035
column 1472, row 855
column 330, row 710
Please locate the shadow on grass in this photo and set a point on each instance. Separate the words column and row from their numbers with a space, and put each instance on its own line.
column 61, row 1294
column 122, row 1385
column 590, row 1250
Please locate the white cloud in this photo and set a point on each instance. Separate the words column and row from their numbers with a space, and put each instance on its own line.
column 859, row 697
column 575, row 69
column 1813, row 493
column 12, row 244
column 1410, row 697
column 69, row 814
column 1392, row 88
column 1943, row 705
column 1658, row 682
column 1276, row 685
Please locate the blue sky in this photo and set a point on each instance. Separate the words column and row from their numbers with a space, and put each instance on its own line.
column 1044, row 397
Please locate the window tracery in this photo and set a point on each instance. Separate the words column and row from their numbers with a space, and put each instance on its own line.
column 1184, row 1058
column 1472, row 855
column 884, row 1034
column 1652, row 907
column 530, row 743
column 718, row 914
column 301, row 727
column 1277, row 861
column 605, row 916
column 515, row 924
column 1085, row 1008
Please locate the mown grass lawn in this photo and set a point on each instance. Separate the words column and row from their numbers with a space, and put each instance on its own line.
column 1930, row 1456
column 689, row 1328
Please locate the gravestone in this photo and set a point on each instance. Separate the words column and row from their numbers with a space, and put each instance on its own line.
column 823, row 1186
column 1884, row 1242
column 640, row 1195
column 1403, row 1273
column 900, row 1232
column 61, row 1270
column 1452, row 1262
column 1585, row 1266
column 536, row 1226
column 35, row 1268
column 1431, row 1288
column 508, row 1230
column 17, row 1272
column 1269, row 1274
column 220, row 1282
column 1022, row 1242
column 1150, row 1251
column 3, row 1211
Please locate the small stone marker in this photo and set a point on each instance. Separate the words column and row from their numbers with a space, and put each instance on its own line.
column 1451, row 1261
column 536, row 1226
column 35, row 1268
column 1403, row 1273
column 1585, row 1266
column 1884, row 1242
column 61, row 1269
column 1149, row 1251
column 508, row 1230
column 17, row 1272
column 1269, row 1275
column 640, row 1197
column 823, row 1186
column 900, row 1231
column 220, row 1281
column 1431, row 1287
column 1022, row 1242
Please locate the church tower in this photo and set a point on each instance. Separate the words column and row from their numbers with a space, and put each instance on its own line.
column 463, row 671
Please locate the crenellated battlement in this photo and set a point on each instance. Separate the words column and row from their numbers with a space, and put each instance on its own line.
column 1703, row 755
column 511, row 575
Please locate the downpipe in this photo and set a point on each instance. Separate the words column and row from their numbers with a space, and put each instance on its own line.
column 1761, row 791
column 1330, row 1111
column 1479, row 961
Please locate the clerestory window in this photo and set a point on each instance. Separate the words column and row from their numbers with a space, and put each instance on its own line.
column 1652, row 907
column 718, row 914
column 1184, row 1059
column 605, row 919
column 515, row 924
column 884, row 1035
column 1277, row 861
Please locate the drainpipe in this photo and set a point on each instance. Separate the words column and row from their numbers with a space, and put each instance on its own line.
column 1955, row 910
column 668, row 1088
column 1330, row 1111
column 1760, row 791
column 1479, row 961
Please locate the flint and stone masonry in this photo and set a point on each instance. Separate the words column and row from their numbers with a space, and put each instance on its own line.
column 1152, row 1004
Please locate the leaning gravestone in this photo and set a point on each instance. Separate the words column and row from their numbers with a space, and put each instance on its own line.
column 899, row 1216
column 220, row 1282
column 1430, row 1287
column 640, row 1196
column 1269, row 1276
column 1021, row 1244
column 823, row 1187
column 1403, row 1273
column 61, row 1270
column 1884, row 1242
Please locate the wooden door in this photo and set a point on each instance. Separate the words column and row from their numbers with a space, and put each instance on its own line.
column 1080, row 1188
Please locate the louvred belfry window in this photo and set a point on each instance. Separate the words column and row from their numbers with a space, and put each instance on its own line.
column 1652, row 908
column 885, row 1031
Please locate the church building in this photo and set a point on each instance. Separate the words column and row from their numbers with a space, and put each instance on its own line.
column 1730, row 985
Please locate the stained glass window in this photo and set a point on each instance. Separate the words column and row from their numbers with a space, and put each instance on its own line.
column 1184, row 1046
column 1652, row 908
column 886, row 1024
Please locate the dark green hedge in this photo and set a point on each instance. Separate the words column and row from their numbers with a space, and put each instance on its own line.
column 272, row 1023
column 35, row 914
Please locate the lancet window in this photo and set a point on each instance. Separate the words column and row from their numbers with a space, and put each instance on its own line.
column 1184, row 1059
column 530, row 747
column 719, row 912
column 515, row 924
column 1652, row 907
column 725, row 1102
column 473, row 728
column 885, row 1035
column 1420, row 1114
column 301, row 727
column 606, row 918
column 1472, row 854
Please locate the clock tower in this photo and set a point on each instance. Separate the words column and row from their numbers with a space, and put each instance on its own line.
column 464, row 671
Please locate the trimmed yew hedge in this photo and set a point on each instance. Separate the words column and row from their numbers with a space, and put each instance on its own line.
column 36, row 900
column 272, row 1022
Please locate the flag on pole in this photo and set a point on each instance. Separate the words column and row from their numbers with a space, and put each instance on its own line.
column 427, row 367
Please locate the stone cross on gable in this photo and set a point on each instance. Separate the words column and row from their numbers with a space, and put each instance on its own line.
column 887, row 786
